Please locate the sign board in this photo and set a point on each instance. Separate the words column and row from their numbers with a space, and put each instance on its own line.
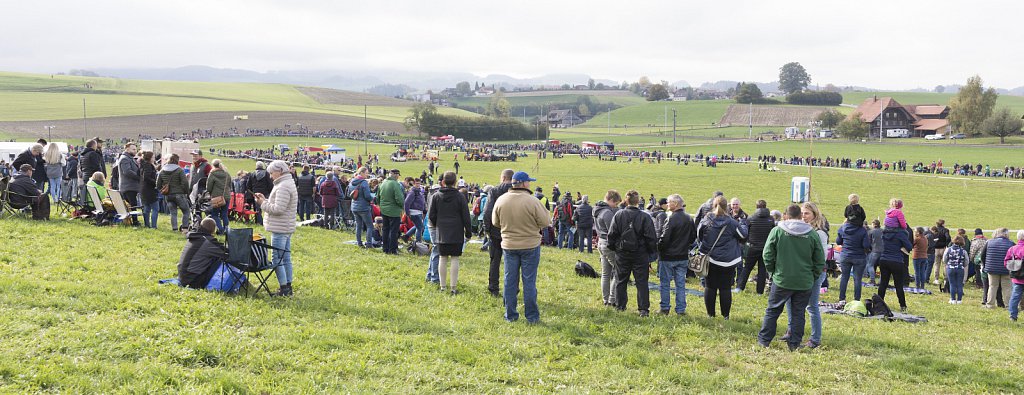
column 897, row 133
column 801, row 188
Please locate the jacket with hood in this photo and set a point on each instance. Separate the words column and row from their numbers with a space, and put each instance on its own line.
column 198, row 173
column 759, row 226
column 198, row 260
column 603, row 214
column 855, row 214
column 416, row 200
column 729, row 250
column 793, row 255
column 1015, row 252
column 91, row 161
column 643, row 226
column 330, row 192
column 218, row 183
column 893, row 240
column 259, row 182
column 488, row 211
column 993, row 255
column 659, row 216
column 172, row 176
column 363, row 196
column 71, row 170
column 129, row 174
column 676, row 237
column 449, row 214
column 584, row 216
column 147, row 184
column 854, row 240
column 280, row 207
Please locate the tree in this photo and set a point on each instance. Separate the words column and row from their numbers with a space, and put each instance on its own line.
column 939, row 89
column 499, row 107
column 793, row 77
column 830, row 118
column 1001, row 124
column 657, row 92
column 748, row 93
column 418, row 112
column 644, row 82
column 600, row 86
column 584, row 110
column 566, row 87
column 463, row 88
column 853, row 128
column 971, row 106
column 590, row 84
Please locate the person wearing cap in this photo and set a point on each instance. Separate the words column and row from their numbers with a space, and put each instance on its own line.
column 543, row 199
column 980, row 278
column 198, row 173
column 201, row 257
column 24, row 190
column 520, row 216
column 392, row 204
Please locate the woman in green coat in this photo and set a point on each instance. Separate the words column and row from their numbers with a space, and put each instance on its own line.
column 218, row 184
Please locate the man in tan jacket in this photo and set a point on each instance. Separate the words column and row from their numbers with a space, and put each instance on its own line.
column 520, row 216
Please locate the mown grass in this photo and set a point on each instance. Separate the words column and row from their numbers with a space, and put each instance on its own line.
column 546, row 100
column 92, row 318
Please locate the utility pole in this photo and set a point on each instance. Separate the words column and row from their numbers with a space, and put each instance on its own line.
column 366, row 135
column 49, row 132
column 85, row 122
column 750, row 119
column 673, row 126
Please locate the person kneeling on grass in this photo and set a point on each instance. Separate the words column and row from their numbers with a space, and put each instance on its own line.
column 201, row 256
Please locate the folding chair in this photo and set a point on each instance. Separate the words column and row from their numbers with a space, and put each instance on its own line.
column 239, row 212
column 250, row 256
column 121, row 208
column 346, row 218
column 97, row 204
column 6, row 208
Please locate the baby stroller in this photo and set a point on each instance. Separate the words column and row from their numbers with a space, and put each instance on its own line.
column 200, row 209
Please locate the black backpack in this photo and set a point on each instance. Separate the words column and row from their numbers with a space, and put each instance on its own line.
column 629, row 241
column 877, row 306
column 584, row 269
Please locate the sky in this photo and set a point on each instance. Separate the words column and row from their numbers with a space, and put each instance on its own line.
column 875, row 44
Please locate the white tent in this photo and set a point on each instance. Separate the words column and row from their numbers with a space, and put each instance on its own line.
column 9, row 150
column 337, row 153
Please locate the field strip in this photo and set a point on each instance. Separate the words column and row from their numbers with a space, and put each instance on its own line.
column 901, row 174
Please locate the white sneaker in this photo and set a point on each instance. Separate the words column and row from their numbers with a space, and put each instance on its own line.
column 951, row 301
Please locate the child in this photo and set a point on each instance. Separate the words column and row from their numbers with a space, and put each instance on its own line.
column 378, row 231
column 920, row 257
column 955, row 258
column 854, row 212
column 894, row 215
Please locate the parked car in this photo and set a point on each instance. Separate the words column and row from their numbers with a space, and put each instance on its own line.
column 934, row 137
column 957, row 136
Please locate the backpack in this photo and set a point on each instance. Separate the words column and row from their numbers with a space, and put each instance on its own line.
column 584, row 269
column 877, row 306
column 419, row 248
column 476, row 207
column 115, row 176
column 629, row 241
column 1015, row 267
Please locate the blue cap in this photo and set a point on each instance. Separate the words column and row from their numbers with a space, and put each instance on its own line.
column 521, row 176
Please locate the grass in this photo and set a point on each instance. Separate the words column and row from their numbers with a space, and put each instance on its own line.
column 546, row 100
column 91, row 318
column 38, row 97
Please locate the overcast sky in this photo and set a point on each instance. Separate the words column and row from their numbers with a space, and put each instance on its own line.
column 882, row 44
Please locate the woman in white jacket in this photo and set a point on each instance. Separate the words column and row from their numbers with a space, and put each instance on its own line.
column 279, row 219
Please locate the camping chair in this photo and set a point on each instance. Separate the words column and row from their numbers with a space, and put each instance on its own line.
column 239, row 211
column 250, row 256
column 97, row 204
column 346, row 218
column 6, row 208
column 121, row 208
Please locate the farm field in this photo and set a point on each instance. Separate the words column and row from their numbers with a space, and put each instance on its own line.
column 543, row 99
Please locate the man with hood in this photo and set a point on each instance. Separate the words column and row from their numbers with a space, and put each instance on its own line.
column 494, row 233
column 362, row 197
column 200, row 258
column 173, row 177
column 258, row 182
column 795, row 258
column 760, row 225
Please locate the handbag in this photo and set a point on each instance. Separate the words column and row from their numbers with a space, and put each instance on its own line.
column 219, row 201
column 699, row 262
column 165, row 190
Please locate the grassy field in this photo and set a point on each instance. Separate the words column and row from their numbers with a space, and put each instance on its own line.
column 546, row 100
column 92, row 318
column 39, row 97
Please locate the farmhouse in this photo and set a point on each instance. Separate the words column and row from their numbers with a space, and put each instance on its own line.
column 900, row 120
column 563, row 118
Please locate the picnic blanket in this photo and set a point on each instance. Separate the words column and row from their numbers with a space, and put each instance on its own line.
column 837, row 308
column 653, row 286
column 918, row 291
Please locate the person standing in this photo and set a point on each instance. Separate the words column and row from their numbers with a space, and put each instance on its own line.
column 494, row 233
column 392, row 202
column 980, row 279
column 720, row 236
column 604, row 211
column 54, row 169
column 920, row 258
column 942, row 239
column 258, row 182
column 280, row 208
column 129, row 176
column 415, row 206
column 812, row 216
column 677, row 236
column 449, row 212
column 362, row 198
column 1014, row 253
column 33, row 156
column 893, row 262
column 564, row 214
column 955, row 261
column 794, row 256
column 633, row 239
column 853, row 258
column 875, row 235
column 760, row 225
column 520, row 216
column 218, row 183
column 305, row 186
column 584, row 215
column 993, row 257
column 148, row 191
column 330, row 194
column 197, row 174
column 176, row 184
column 71, row 178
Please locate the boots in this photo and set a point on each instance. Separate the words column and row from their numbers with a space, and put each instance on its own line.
column 286, row 290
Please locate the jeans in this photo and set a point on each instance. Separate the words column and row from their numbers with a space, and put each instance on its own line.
column 282, row 259
column 435, row 258
column 363, row 224
column 898, row 272
column 920, row 272
column 669, row 271
column 390, row 234
column 55, row 188
column 305, row 208
column 179, row 202
column 1015, row 298
column 417, row 220
column 956, row 283
column 494, row 253
column 586, row 237
column 718, row 284
column 565, row 234
column 638, row 267
column 777, row 299
column 220, row 216
column 521, row 264
column 150, row 212
column 857, row 267
column 812, row 308
column 754, row 257
column 928, row 267
column 608, row 270
column 872, row 263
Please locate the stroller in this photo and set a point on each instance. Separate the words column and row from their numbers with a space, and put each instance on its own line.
column 200, row 209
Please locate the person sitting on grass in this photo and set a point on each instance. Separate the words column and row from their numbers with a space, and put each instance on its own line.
column 201, row 256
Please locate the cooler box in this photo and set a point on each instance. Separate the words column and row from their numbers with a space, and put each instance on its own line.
column 801, row 189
